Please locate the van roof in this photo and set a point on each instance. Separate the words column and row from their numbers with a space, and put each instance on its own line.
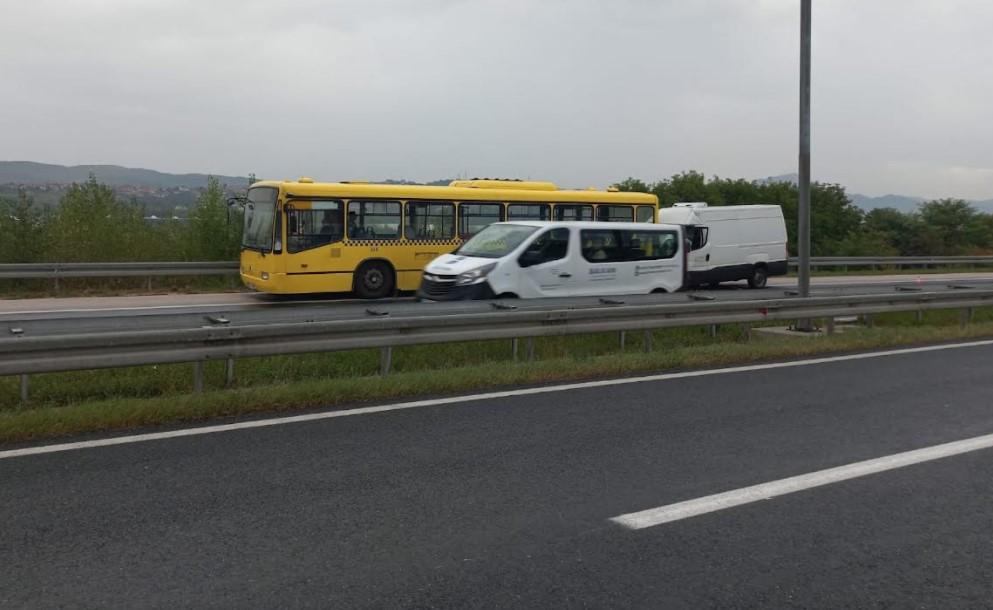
column 589, row 224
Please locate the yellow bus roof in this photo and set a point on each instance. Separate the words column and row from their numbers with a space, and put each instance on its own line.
column 457, row 190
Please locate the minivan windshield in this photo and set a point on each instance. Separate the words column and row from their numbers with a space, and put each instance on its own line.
column 260, row 214
column 496, row 240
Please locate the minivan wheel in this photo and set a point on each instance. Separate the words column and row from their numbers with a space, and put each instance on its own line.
column 374, row 280
column 759, row 277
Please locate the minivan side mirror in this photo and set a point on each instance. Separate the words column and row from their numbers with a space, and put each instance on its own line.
column 529, row 258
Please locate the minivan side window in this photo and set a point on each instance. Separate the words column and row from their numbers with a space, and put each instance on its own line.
column 625, row 245
column 551, row 245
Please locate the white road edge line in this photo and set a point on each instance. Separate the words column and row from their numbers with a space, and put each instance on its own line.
column 433, row 402
column 766, row 491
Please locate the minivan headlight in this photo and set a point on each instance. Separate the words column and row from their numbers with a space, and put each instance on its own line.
column 476, row 275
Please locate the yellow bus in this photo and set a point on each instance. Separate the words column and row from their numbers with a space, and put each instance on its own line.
column 374, row 239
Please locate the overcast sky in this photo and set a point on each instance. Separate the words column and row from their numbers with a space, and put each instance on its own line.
column 581, row 92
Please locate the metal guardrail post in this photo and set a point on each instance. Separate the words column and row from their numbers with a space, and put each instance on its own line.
column 229, row 373
column 514, row 346
column 385, row 360
column 198, row 376
column 622, row 339
column 25, row 387
column 829, row 325
column 530, row 348
column 966, row 316
column 648, row 341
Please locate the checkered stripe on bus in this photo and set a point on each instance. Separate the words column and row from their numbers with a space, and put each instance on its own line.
column 403, row 242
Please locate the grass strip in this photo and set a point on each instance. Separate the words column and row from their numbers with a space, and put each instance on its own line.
column 46, row 422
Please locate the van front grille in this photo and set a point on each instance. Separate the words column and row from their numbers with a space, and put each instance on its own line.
column 437, row 285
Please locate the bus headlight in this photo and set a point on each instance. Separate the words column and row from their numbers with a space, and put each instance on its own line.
column 265, row 275
column 476, row 275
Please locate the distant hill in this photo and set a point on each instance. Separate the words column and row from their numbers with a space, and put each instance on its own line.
column 900, row 202
column 29, row 173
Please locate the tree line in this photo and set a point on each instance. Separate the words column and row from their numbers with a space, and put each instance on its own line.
column 941, row 227
column 92, row 224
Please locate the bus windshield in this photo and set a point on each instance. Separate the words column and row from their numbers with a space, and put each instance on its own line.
column 495, row 241
column 260, row 213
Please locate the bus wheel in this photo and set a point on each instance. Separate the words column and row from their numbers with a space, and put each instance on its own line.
column 374, row 280
column 759, row 278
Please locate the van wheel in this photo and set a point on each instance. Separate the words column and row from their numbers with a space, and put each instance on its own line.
column 374, row 280
column 759, row 277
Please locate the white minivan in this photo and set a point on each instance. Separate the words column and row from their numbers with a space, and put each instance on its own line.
column 530, row 259
column 731, row 242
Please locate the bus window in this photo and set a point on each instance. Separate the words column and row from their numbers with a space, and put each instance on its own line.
column 430, row 220
column 573, row 212
column 646, row 213
column 320, row 225
column 373, row 219
column 473, row 217
column 614, row 213
column 528, row 211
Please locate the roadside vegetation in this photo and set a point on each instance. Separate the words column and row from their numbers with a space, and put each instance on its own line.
column 94, row 401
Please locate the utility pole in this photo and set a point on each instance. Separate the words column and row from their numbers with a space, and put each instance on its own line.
column 803, row 232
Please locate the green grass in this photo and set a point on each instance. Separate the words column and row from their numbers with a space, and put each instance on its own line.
column 91, row 401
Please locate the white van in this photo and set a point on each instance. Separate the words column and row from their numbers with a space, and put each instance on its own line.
column 531, row 259
column 731, row 242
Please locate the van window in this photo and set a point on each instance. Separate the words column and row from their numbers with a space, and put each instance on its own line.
column 551, row 245
column 573, row 212
column 698, row 237
column 528, row 211
column 615, row 246
column 430, row 220
column 614, row 213
column 651, row 245
column 373, row 219
column 495, row 241
column 473, row 217
column 646, row 213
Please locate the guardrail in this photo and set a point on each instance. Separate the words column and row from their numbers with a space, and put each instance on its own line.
column 41, row 271
column 894, row 261
column 23, row 355
column 148, row 270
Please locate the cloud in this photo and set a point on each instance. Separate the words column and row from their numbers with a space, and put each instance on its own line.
column 580, row 92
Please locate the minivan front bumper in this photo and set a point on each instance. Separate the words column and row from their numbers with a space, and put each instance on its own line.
column 444, row 289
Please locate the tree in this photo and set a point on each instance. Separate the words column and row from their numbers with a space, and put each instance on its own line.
column 91, row 224
column 632, row 185
column 957, row 225
column 22, row 230
column 214, row 233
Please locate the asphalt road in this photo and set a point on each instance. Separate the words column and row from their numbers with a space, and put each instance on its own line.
column 505, row 502
column 41, row 317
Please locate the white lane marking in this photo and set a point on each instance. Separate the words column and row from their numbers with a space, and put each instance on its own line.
column 433, row 402
column 766, row 491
